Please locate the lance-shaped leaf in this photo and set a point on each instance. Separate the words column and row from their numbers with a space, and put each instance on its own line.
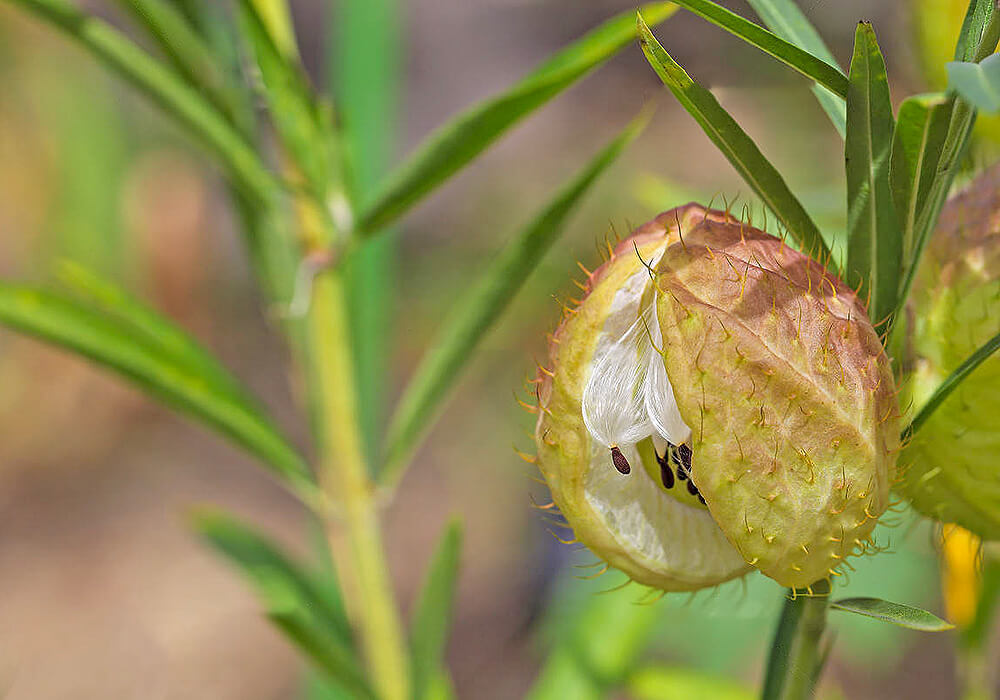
column 149, row 327
column 310, row 617
column 895, row 613
column 921, row 128
column 463, row 138
column 951, row 383
column 154, row 355
column 970, row 39
column 166, row 88
column 481, row 308
column 188, row 51
column 735, row 145
column 818, row 70
column 297, row 118
column 784, row 18
column 433, row 613
column 977, row 83
column 874, row 244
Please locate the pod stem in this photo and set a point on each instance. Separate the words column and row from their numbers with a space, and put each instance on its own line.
column 797, row 652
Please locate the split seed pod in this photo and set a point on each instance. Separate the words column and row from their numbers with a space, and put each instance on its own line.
column 952, row 465
column 745, row 390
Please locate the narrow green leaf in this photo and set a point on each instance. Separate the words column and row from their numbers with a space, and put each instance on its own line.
column 970, row 39
column 138, row 349
column 951, row 383
column 813, row 67
column 150, row 327
column 364, row 71
column 189, row 53
column 977, row 83
column 735, row 144
column 296, row 116
column 167, row 89
column 921, row 129
column 467, row 135
column 433, row 613
column 874, row 246
column 276, row 18
column 784, row 18
column 291, row 597
column 895, row 613
column 660, row 683
column 481, row 307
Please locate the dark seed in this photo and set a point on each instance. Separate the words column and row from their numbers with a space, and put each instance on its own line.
column 680, row 455
column 666, row 475
column 692, row 489
column 685, row 454
column 702, row 499
column 618, row 459
column 682, row 472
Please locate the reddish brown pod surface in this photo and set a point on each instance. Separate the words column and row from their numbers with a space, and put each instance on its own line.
column 789, row 395
column 748, row 385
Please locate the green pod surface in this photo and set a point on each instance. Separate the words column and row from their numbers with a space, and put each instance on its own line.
column 951, row 467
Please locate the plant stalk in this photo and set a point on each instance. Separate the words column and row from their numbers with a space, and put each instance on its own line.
column 797, row 654
column 344, row 477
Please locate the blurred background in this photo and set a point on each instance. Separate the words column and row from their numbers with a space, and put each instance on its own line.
column 104, row 593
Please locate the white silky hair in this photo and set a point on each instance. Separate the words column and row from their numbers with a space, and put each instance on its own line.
column 614, row 410
column 658, row 394
column 628, row 395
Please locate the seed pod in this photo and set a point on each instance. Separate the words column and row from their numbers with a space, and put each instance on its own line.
column 751, row 388
column 951, row 467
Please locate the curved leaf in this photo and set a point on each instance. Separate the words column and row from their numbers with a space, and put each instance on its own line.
column 137, row 346
column 921, row 128
column 735, row 144
column 874, row 244
column 895, row 613
column 310, row 617
column 188, row 51
column 813, row 67
column 433, row 613
column 481, row 307
column 784, row 18
column 463, row 138
column 166, row 88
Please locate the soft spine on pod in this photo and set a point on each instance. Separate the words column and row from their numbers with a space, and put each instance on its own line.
column 766, row 367
column 789, row 394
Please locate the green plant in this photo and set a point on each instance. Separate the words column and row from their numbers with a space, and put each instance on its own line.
column 315, row 228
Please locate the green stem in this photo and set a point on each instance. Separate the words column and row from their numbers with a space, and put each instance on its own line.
column 797, row 655
column 345, row 479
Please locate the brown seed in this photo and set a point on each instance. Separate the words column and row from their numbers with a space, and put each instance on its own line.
column 618, row 459
column 666, row 473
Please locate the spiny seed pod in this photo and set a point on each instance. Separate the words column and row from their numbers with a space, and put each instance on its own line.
column 746, row 382
column 952, row 464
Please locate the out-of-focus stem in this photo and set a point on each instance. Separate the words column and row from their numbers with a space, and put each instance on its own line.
column 796, row 657
column 345, row 479
column 343, row 470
